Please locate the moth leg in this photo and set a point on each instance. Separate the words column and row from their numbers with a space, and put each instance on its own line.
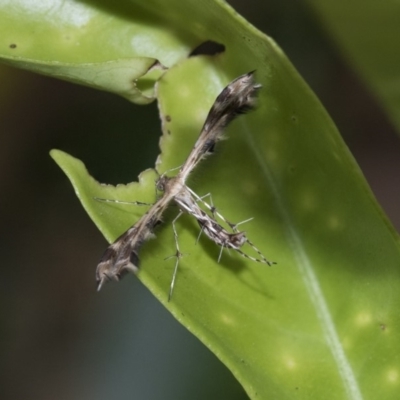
column 136, row 203
column 201, row 199
column 201, row 231
column 178, row 256
column 234, row 226
column 220, row 254
column 169, row 170
column 214, row 211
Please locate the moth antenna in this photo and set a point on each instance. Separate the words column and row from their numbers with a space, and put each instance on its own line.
column 263, row 259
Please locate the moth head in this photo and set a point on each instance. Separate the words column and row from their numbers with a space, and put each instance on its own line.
column 161, row 183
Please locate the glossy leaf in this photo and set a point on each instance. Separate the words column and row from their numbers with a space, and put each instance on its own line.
column 365, row 32
column 322, row 323
column 108, row 47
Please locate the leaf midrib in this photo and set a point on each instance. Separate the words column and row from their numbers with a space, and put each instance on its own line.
column 309, row 278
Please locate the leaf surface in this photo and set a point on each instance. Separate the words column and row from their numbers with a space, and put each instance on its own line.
column 324, row 322
column 366, row 32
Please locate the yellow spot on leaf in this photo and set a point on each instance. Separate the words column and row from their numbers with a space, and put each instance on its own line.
column 363, row 319
column 393, row 375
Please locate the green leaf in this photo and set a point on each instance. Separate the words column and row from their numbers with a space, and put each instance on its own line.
column 366, row 31
column 324, row 322
column 108, row 47
column 117, row 76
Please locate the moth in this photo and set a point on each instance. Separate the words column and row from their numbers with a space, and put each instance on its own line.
column 123, row 255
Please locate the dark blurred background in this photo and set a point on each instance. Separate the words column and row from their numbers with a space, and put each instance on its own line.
column 63, row 340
